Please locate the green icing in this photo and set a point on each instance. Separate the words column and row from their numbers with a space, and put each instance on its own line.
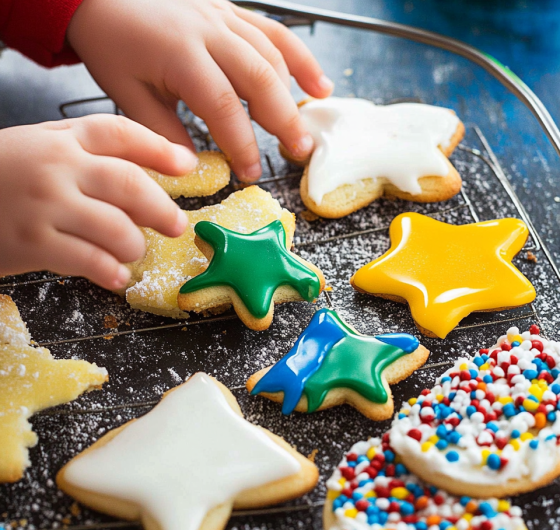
column 253, row 265
column 355, row 362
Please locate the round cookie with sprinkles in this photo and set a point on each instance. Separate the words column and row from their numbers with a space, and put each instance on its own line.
column 491, row 425
column 372, row 489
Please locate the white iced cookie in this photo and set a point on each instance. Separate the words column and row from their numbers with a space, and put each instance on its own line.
column 186, row 464
column 364, row 151
column 489, row 427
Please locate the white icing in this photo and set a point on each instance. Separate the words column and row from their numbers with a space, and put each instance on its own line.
column 525, row 463
column 188, row 455
column 356, row 139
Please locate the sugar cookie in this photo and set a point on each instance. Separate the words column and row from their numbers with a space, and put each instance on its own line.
column 30, row 381
column 490, row 426
column 331, row 364
column 445, row 272
column 364, row 151
column 210, row 175
column 372, row 489
column 169, row 262
column 186, row 464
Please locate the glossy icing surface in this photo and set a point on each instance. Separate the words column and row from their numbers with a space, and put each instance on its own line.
column 254, row 265
column 330, row 354
column 356, row 139
column 445, row 272
column 191, row 453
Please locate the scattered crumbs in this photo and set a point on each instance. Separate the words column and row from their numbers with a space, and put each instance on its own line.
column 328, row 288
column 312, row 455
column 184, row 328
column 75, row 509
column 110, row 322
column 348, row 72
column 531, row 257
column 556, row 199
column 108, row 337
column 309, row 216
column 61, row 282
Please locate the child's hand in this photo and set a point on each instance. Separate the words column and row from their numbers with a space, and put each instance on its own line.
column 71, row 196
column 147, row 55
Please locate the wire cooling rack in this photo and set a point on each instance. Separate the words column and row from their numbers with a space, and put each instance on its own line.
column 147, row 354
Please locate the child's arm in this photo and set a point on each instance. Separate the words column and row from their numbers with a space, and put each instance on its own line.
column 148, row 54
column 71, row 196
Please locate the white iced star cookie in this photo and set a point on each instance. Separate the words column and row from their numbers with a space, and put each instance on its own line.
column 187, row 463
column 364, row 151
column 30, row 381
column 210, row 175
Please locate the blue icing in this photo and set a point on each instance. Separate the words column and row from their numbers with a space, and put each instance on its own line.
column 405, row 342
column 292, row 371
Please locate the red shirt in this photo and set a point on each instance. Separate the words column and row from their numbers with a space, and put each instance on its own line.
column 37, row 28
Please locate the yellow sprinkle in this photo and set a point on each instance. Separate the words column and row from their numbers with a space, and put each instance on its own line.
column 503, row 506
column 517, row 338
column 412, row 401
column 370, row 494
column 400, row 493
column 542, row 383
column 526, row 436
column 426, row 446
column 332, row 495
column 485, row 455
column 351, row 512
column 484, row 366
column 504, row 400
column 515, row 444
column 434, row 438
column 537, row 391
column 406, row 412
column 530, row 405
column 467, row 516
column 342, row 481
column 464, row 366
column 370, row 453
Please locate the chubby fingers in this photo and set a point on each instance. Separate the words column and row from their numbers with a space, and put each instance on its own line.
column 301, row 62
column 117, row 136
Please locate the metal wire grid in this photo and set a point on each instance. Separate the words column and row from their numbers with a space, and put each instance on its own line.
column 489, row 158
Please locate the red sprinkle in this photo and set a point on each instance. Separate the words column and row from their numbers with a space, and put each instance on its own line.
column 438, row 499
column 485, row 525
column 506, row 346
column 513, row 359
column 534, row 330
column 425, row 392
column 347, row 472
column 362, row 505
column 500, row 442
column 383, row 492
column 351, row 457
column 394, row 507
column 371, row 471
column 390, row 470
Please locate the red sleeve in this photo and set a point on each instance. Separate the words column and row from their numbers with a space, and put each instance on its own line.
column 37, row 28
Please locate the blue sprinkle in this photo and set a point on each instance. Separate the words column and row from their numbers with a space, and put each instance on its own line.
column 389, row 456
column 515, row 343
column 383, row 516
column 555, row 372
column 442, row 444
column 337, row 503
column 488, row 378
column 452, row 456
column 492, row 426
column 351, row 464
column 421, row 525
column 407, row 508
column 445, row 379
column 454, row 437
column 474, row 373
column 400, row 469
column 558, row 405
column 444, row 524
column 515, row 434
column 357, row 495
column 470, row 410
column 485, row 357
column 493, row 462
column 441, row 431
column 555, row 388
column 521, row 409
column 452, row 395
column 550, row 437
column 533, row 398
column 551, row 416
column 479, row 361
column 362, row 458
column 362, row 483
column 533, row 444
column 509, row 410
column 464, row 500
column 401, row 415
column 373, row 519
column 381, row 473
column 433, row 490
column 372, row 509
column 530, row 374
column 486, row 509
column 473, row 394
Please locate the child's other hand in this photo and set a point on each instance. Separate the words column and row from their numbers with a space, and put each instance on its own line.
column 71, row 196
column 147, row 55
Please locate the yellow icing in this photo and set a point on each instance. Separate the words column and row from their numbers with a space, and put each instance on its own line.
column 169, row 262
column 445, row 272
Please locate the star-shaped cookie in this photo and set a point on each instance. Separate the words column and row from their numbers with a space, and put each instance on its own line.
column 30, row 381
column 252, row 271
column 331, row 364
column 364, row 151
column 445, row 272
column 186, row 464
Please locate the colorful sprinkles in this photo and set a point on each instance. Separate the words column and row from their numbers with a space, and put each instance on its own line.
column 372, row 489
column 489, row 413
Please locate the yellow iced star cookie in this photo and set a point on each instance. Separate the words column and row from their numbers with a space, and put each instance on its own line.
column 210, row 175
column 445, row 272
column 30, row 381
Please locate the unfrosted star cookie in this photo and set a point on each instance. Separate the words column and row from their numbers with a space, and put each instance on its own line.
column 251, row 271
column 364, row 151
column 186, row 464
column 210, row 175
column 372, row 489
column 31, row 381
column 445, row 272
column 331, row 364
column 169, row 262
column 489, row 426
